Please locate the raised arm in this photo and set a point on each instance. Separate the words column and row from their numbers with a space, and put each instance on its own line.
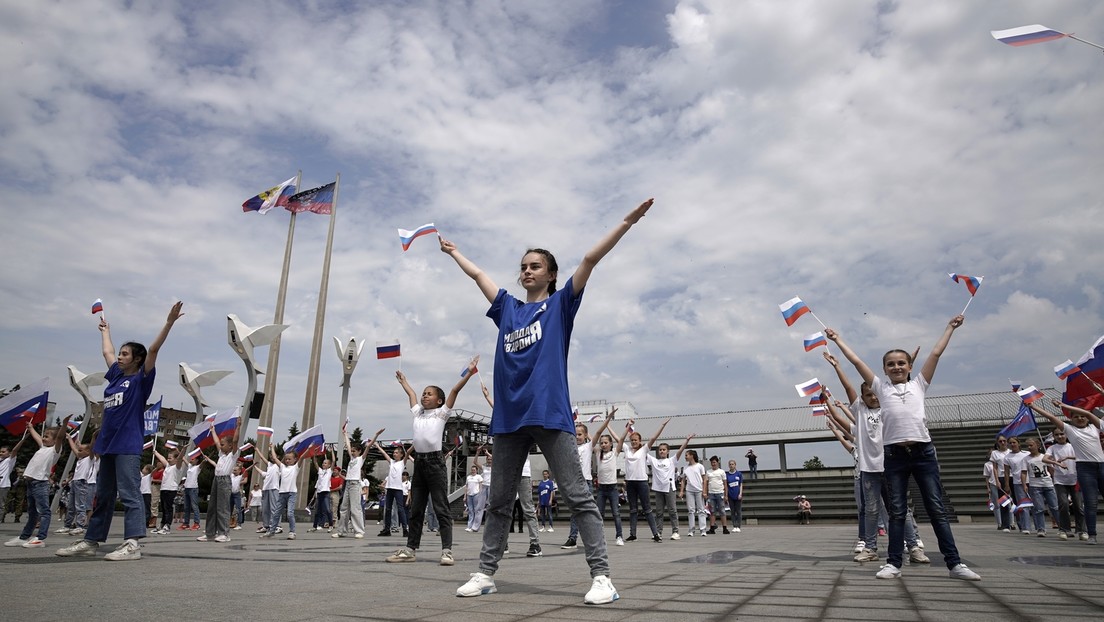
column 1073, row 409
column 840, row 414
column 861, row 367
column 486, row 285
column 933, row 359
column 159, row 340
column 658, row 432
column 605, row 245
column 410, row 394
column 1057, row 421
column 685, row 444
column 19, row 445
column 160, row 458
column 487, row 395
column 605, row 424
column 473, row 365
column 105, row 343
column 848, row 388
column 838, row 433
column 58, row 445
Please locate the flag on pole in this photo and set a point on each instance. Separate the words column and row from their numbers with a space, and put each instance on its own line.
column 97, row 307
column 815, row 341
column 246, row 458
column 459, row 440
column 193, row 453
column 171, row 445
column 1065, row 370
column 1024, row 504
column 819, row 411
column 318, row 200
column 1004, row 501
column 224, row 421
column 24, row 407
column 276, row 196
column 819, row 398
column 1026, row 35
column 1030, row 394
column 1023, row 422
column 793, row 309
column 308, row 443
column 1016, row 384
column 464, row 372
column 407, row 237
column 972, row 283
column 1080, row 391
column 151, row 417
column 265, row 432
column 807, row 388
column 74, row 425
column 245, row 447
column 147, row 445
column 388, row 349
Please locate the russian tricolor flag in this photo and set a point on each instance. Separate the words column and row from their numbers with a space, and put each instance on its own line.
column 464, row 372
column 171, row 445
column 310, row 442
column 972, row 283
column 245, row 447
column 1016, row 384
column 815, row 341
column 1065, row 370
column 24, row 407
column 225, row 423
column 388, row 349
column 1030, row 394
column 97, row 307
column 263, row 431
column 809, row 387
column 74, row 425
column 1004, row 501
column 1026, row 35
column 819, row 411
column 793, row 309
column 147, row 445
column 246, row 458
column 407, row 237
column 193, row 453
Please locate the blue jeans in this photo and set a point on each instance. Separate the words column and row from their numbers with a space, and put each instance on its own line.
column 607, row 493
column 1018, row 495
column 120, row 476
column 474, row 510
column 191, row 505
column 1069, row 502
column 1043, row 499
column 285, row 503
column 1001, row 514
column 920, row 462
column 323, row 516
column 560, row 451
column 860, row 501
column 1090, row 475
column 38, row 509
column 82, row 502
column 875, row 494
column 395, row 501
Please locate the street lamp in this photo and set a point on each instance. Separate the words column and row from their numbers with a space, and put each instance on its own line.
column 349, row 355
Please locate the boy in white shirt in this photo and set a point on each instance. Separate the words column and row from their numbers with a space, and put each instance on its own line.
column 37, row 476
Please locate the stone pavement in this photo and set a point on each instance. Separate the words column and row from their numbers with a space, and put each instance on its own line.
column 781, row 572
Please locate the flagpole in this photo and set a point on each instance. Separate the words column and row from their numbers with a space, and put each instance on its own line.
column 273, row 363
column 1101, row 48
column 967, row 305
column 310, row 401
column 818, row 320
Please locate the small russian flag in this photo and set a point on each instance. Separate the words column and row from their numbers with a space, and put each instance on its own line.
column 459, row 440
column 819, row 411
column 1065, row 370
column 1030, row 394
column 1004, row 501
column 1016, row 384
column 815, row 341
column 972, row 283
column 793, row 309
column 991, row 506
column 195, row 452
column 171, row 444
column 407, row 237
column 147, row 445
column 74, row 425
column 819, row 398
column 246, row 458
column 809, row 387
column 464, row 372
column 97, row 307
column 245, row 446
column 263, row 431
column 594, row 418
column 1027, row 35
column 388, row 349
column 1025, row 504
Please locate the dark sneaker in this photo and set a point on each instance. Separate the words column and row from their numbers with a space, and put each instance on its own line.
column 570, row 544
column 534, row 550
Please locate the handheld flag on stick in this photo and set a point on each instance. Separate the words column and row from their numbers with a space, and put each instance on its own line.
column 263, row 431
column 407, row 237
column 819, row 411
column 1084, row 390
column 171, row 445
column 1004, row 501
column 388, row 349
column 74, row 425
column 807, row 388
column 308, row 443
column 246, row 458
column 1016, row 384
column 24, row 407
column 1065, row 370
column 1035, row 33
column 1030, row 394
column 245, row 447
column 193, row 453
column 972, row 284
column 793, row 309
column 97, row 307
column 224, row 422
column 147, row 445
column 815, row 341
column 276, row 196
column 464, row 372
column 1023, row 422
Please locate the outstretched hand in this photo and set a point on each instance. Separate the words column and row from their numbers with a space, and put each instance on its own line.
column 174, row 313
column 957, row 321
column 633, row 217
column 104, row 326
column 831, row 359
column 446, row 246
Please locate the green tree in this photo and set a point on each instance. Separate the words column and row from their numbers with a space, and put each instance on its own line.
column 813, row 463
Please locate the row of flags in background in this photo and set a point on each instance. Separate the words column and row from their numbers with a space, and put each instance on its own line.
column 1079, row 392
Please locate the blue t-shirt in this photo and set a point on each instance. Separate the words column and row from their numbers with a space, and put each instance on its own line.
column 124, row 402
column 544, row 491
column 530, row 366
column 733, row 482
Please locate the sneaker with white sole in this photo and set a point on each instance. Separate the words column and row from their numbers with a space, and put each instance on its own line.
column 222, row 538
column 34, row 543
column 534, row 550
column 551, row 530
column 359, row 535
column 960, row 571
column 62, row 529
column 446, row 558
column 570, row 544
column 17, row 541
column 860, row 546
column 1062, row 535
column 867, row 555
column 917, row 556
column 202, row 538
column 919, row 543
column 1041, row 533
column 478, row 585
column 404, row 554
column 601, row 591
column 290, row 536
column 736, row 529
column 1083, row 536
column 889, row 571
column 337, row 534
column 1091, row 540
column 540, row 530
column 128, row 550
column 620, row 541
column 81, row 548
column 675, row 536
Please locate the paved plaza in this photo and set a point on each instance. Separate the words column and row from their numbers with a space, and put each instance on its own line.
column 781, row 572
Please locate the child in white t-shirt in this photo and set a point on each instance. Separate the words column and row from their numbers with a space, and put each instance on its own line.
column 288, row 491
column 218, row 503
column 693, row 480
column 36, row 475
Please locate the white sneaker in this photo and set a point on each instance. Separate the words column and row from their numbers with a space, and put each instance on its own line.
column 859, row 547
column 81, row 548
column 34, row 543
column 478, row 585
column 889, row 571
column 917, row 556
column 540, row 530
column 550, row 530
column 222, row 538
column 736, row 529
column 919, row 543
column 1062, row 535
column 359, row 535
column 867, row 555
column 446, row 558
column 128, row 550
column 960, row 571
column 601, row 591
column 202, row 538
column 620, row 541
column 291, row 536
column 236, row 527
column 76, row 531
column 63, row 530
column 17, row 541
column 1084, row 536
column 337, row 535
column 675, row 536
column 468, row 529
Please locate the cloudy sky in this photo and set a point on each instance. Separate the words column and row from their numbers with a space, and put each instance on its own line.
column 849, row 153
